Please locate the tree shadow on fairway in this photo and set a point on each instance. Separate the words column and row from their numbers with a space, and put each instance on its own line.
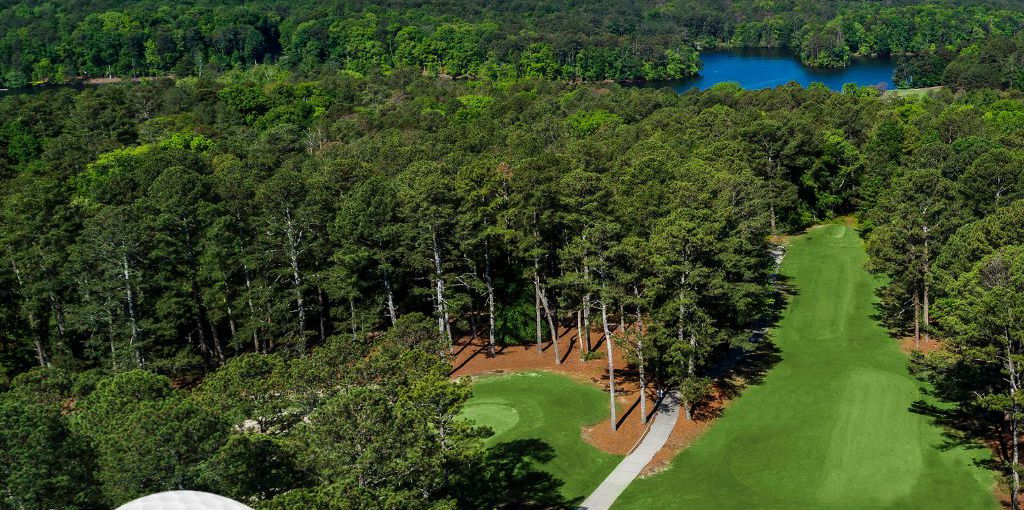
column 748, row 363
column 960, row 429
column 510, row 478
column 749, row 371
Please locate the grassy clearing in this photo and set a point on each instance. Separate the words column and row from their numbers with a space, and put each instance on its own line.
column 549, row 408
column 923, row 91
column 831, row 427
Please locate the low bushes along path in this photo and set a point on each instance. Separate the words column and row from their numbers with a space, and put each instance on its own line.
column 831, row 426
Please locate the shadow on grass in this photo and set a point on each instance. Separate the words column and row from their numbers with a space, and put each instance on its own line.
column 510, row 478
column 749, row 362
column 959, row 429
column 963, row 422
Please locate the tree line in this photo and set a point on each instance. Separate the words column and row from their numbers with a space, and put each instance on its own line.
column 944, row 228
column 593, row 40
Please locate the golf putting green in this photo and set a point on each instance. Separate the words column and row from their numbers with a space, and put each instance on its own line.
column 831, row 425
column 550, row 409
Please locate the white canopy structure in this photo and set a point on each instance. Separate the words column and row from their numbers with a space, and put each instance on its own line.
column 183, row 500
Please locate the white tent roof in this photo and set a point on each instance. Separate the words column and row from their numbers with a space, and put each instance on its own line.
column 183, row 500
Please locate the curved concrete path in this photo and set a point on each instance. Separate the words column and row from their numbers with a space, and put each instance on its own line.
column 631, row 466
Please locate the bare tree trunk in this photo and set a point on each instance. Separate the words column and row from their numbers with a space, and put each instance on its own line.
column 130, row 298
column 586, row 308
column 232, row 327
column 640, row 364
column 611, row 363
column 927, row 318
column 392, row 311
column 322, row 302
column 1014, row 433
column 536, row 304
column 36, row 340
column 217, row 349
column 691, row 370
column 240, row 246
column 490, row 302
column 58, row 313
column 639, row 331
column 681, row 335
column 443, row 324
column 917, row 320
column 300, row 303
column 252, row 309
column 579, row 333
column 352, row 318
column 772, row 210
column 551, row 320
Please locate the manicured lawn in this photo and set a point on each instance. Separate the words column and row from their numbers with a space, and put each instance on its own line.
column 831, row 426
column 551, row 409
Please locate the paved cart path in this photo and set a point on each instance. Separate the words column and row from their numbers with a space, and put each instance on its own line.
column 631, row 466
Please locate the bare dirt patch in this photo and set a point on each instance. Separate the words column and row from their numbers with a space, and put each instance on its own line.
column 686, row 432
column 908, row 345
column 471, row 358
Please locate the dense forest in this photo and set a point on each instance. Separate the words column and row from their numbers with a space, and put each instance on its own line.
column 223, row 281
column 590, row 40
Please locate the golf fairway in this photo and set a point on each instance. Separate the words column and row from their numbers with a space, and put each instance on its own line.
column 831, row 426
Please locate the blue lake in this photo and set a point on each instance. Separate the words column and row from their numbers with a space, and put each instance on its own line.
column 768, row 68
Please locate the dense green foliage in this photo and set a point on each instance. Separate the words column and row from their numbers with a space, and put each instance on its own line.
column 589, row 40
column 170, row 246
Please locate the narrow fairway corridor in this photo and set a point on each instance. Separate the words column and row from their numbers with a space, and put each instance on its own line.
column 831, row 426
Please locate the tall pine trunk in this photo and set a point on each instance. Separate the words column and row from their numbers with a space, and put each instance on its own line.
column 639, row 332
column 1013, row 379
column 489, row 282
column 536, row 303
column 549, row 313
column 579, row 333
column 917, row 319
column 36, row 333
column 232, row 326
column 322, row 302
column 294, row 238
column 927, row 318
column 252, row 309
column 392, row 311
column 611, row 363
column 586, row 307
column 443, row 324
column 129, row 295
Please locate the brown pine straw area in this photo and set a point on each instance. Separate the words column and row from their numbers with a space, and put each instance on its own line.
column 471, row 359
column 909, row 346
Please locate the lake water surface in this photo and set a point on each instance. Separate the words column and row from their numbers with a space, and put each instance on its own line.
column 768, row 68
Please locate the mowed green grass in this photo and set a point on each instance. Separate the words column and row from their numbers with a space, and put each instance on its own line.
column 830, row 427
column 550, row 408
